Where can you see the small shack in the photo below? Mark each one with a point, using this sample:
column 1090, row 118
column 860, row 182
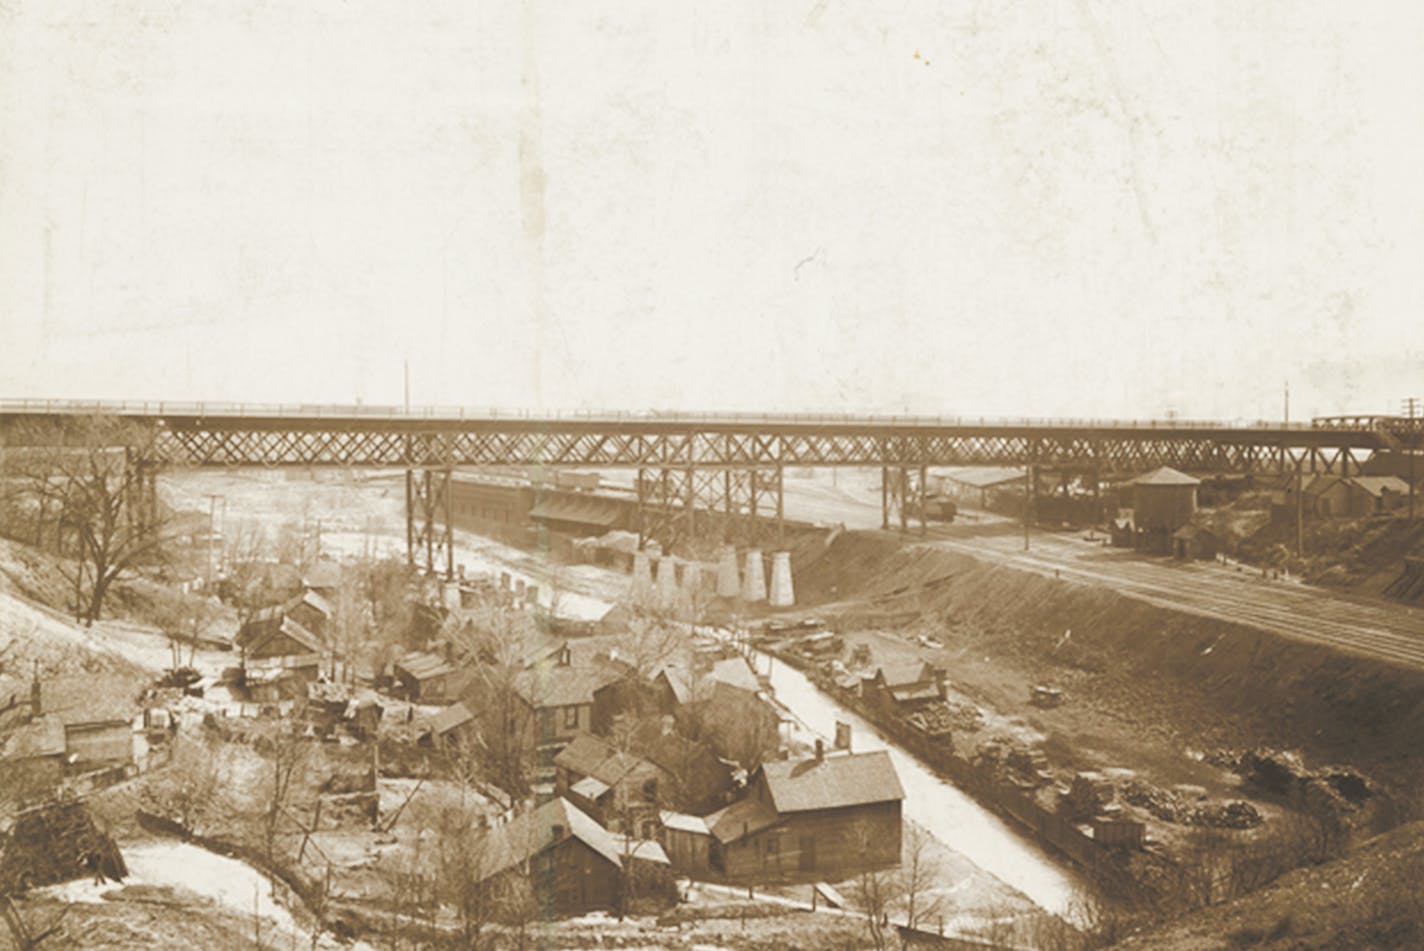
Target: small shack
column 1195, row 543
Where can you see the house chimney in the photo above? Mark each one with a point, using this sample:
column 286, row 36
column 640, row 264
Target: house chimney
column 820, row 750
column 843, row 736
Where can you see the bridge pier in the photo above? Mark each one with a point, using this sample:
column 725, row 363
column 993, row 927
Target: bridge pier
column 903, row 490
column 429, row 547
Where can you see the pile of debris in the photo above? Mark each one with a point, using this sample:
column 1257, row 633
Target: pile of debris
column 1023, row 766
column 1335, row 790
column 55, row 843
column 945, row 717
column 1172, row 806
column 1231, row 815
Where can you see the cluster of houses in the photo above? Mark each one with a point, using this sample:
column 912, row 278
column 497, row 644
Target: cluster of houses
column 678, row 768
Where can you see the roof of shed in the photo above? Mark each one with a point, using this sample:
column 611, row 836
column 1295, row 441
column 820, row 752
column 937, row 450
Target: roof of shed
column 455, row 715
column 746, row 816
column 1165, row 475
column 833, row 782
column 584, row 510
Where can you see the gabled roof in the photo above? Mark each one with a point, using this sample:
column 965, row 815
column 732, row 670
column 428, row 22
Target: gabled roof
column 590, row 788
column 43, row 736
column 88, row 698
column 734, row 672
column 912, row 693
column 1188, row 532
column 906, row 672
column 1165, row 476
column 288, row 627
column 1378, row 485
column 560, row 686
column 423, row 666
column 530, row 833
column 983, row 478
column 591, row 756
column 677, row 683
column 312, row 599
column 682, row 822
column 834, row 782
column 747, row 816
column 583, row 510
column 455, row 715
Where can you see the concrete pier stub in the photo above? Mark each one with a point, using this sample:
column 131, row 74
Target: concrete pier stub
column 667, row 583
column 729, row 581
column 783, row 595
column 754, row 578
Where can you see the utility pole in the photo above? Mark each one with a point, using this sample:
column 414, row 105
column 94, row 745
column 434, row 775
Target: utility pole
column 1027, row 500
column 1287, row 412
column 212, row 518
column 1411, row 410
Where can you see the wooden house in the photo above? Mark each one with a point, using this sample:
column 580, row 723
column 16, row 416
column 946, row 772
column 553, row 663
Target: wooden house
column 902, row 687
column 279, row 655
column 570, row 863
column 555, row 704
column 826, row 818
column 619, row 789
column 429, row 678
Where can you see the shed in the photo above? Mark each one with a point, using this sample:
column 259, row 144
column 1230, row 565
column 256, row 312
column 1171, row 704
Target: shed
column 1195, row 543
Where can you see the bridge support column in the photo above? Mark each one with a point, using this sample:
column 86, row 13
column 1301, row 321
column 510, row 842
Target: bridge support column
column 723, row 505
column 430, row 547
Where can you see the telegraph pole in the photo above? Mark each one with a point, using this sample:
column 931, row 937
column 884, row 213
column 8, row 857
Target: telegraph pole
column 212, row 517
column 1411, row 409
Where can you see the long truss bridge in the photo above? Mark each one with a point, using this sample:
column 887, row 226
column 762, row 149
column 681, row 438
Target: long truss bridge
column 699, row 462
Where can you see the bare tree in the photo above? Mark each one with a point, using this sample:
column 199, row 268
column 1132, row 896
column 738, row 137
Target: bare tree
column 288, row 758
column 919, row 874
column 84, row 482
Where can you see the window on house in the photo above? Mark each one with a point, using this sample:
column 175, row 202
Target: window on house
column 570, row 717
column 650, row 790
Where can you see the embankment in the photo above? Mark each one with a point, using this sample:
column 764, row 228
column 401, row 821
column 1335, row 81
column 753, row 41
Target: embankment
column 1207, row 682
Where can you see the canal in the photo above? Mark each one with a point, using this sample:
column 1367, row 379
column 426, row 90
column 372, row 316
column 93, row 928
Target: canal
column 950, row 815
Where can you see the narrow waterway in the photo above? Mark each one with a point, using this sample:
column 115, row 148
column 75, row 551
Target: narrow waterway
column 950, row 815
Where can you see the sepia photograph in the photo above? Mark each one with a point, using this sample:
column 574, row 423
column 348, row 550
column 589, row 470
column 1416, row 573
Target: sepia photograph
column 900, row 475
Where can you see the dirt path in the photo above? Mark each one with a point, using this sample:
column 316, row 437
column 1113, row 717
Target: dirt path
column 1381, row 630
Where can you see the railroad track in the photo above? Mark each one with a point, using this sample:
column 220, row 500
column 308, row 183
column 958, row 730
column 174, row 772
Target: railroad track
column 1393, row 635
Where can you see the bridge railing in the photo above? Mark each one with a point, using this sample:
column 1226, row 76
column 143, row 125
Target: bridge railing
column 455, row 413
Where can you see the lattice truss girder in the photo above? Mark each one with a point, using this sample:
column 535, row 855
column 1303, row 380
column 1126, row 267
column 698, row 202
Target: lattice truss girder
column 678, row 504
column 196, row 445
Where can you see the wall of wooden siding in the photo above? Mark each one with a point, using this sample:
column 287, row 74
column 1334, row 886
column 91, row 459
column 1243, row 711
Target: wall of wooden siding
column 100, row 743
column 847, row 841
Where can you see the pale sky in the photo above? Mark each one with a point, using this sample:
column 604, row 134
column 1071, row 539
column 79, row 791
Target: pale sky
column 981, row 207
